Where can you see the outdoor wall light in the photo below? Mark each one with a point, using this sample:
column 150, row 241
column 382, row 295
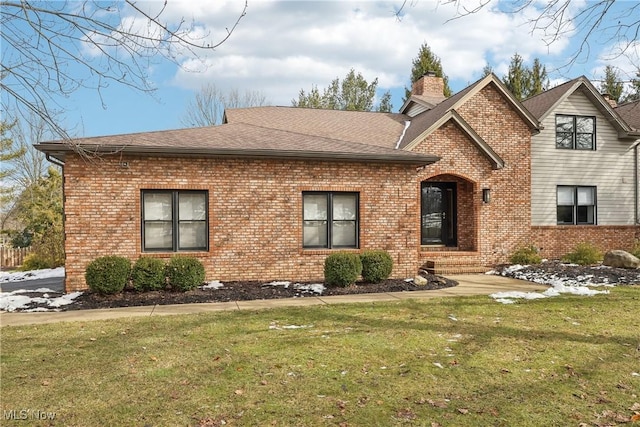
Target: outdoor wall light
column 486, row 195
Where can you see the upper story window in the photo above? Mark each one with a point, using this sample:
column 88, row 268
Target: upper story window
column 576, row 205
column 174, row 221
column 330, row 220
column 575, row 132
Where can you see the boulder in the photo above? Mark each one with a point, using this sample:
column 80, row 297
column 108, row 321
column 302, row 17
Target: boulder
column 420, row 281
column 621, row 259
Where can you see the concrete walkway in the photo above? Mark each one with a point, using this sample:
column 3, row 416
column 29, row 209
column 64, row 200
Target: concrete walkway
column 469, row 284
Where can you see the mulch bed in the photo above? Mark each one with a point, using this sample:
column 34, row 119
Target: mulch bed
column 244, row 291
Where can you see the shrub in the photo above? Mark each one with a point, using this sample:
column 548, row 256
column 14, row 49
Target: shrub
column 342, row 268
column 185, row 273
column 584, row 254
column 108, row 274
column 635, row 250
column 526, row 255
column 34, row 261
column 376, row 266
column 148, row 274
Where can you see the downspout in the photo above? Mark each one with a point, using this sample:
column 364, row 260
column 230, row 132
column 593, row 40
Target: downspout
column 635, row 179
column 54, row 161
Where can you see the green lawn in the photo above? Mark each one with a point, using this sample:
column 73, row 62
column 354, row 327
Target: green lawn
column 446, row 362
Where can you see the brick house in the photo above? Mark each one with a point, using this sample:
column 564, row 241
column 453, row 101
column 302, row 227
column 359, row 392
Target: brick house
column 445, row 183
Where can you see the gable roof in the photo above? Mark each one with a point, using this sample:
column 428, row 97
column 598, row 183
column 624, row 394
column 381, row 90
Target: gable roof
column 425, row 121
column 238, row 140
column 545, row 103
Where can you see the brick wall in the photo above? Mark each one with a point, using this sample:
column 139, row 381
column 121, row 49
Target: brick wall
column 255, row 212
column 556, row 241
column 493, row 230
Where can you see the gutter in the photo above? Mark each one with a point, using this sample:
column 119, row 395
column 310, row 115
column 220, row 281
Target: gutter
column 398, row 158
column 54, row 161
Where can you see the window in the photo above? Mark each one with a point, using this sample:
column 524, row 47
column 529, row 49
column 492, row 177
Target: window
column 174, row 221
column 575, row 132
column 576, row 205
column 330, row 220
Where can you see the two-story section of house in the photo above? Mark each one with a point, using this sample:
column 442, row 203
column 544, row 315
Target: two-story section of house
column 584, row 170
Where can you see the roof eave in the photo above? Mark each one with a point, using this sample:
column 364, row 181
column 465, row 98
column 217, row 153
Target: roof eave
column 59, row 152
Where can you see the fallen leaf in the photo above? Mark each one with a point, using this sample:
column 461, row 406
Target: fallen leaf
column 463, row 411
column 505, row 371
column 45, row 383
column 635, row 407
column 635, row 418
column 239, row 392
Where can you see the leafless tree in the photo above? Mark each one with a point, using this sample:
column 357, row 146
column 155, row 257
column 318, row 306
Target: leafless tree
column 208, row 105
column 556, row 19
column 51, row 49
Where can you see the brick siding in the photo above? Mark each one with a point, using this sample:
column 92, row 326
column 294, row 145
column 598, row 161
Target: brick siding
column 255, row 212
column 556, row 241
column 492, row 230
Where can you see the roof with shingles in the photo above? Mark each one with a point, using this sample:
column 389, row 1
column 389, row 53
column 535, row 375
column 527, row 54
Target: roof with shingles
column 239, row 140
column 630, row 112
column 381, row 129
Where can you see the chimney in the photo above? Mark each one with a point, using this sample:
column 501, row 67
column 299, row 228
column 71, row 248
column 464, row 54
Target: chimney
column 429, row 85
column 607, row 97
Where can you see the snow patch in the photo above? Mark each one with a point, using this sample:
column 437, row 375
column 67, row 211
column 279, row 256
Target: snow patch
column 31, row 275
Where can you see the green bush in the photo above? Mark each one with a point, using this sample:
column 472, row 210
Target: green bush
column 108, row 274
column 635, row 250
column 185, row 273
column 376, row 265
column 584, row 254
column 526, row 255
column 33, row 261
column 342, row 268
column 148, row 274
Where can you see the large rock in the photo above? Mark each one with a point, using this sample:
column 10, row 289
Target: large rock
column 621, row 259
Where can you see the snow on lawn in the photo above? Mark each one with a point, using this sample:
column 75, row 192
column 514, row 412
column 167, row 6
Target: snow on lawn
column 19, row 276
column 579, row 285
column 46, row 298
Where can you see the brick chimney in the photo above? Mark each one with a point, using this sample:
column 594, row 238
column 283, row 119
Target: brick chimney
column 429, row 85
column 607, row 97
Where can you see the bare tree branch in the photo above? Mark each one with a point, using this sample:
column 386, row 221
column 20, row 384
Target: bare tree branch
column 52, row 49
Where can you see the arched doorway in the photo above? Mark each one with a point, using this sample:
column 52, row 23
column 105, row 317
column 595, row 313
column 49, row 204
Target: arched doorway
column 438, row 212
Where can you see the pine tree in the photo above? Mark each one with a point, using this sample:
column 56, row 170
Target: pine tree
column 427, row 61
column 612, row 84
column 538, row 79
column 517, row 78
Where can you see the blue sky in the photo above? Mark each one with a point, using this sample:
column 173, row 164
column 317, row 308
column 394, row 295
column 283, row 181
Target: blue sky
column 281, row 47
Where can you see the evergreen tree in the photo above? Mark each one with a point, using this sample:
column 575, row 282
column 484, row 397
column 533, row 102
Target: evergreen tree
column 517, row 79
column 427, row 61
column 539, row 80
column 634, row 93
column 353, row 93
column 612, row 84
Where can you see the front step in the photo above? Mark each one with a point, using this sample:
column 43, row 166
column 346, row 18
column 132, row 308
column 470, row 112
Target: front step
column 453, row 264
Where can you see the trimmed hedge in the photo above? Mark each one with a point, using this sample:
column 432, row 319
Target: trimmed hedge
column 342, row 268
column 376, row 265
column 185, row 273
column 148, row 274
column 526, row 255
column 108, row 274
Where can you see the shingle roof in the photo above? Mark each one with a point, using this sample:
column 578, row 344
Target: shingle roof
column 539, row 104
column 237, row 140
column 381, row 129
column 630, row 113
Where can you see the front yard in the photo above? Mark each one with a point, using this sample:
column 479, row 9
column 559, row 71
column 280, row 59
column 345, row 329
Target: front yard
column 570, row 360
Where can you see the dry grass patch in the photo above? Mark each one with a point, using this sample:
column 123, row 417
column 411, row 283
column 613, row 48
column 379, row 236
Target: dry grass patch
column 454, row 361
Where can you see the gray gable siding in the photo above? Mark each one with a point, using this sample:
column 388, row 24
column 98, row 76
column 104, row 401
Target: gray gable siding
column 610, row 168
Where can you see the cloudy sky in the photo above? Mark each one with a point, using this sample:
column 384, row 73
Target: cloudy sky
column 280, row 47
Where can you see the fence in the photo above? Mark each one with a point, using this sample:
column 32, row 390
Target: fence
column 12, row 257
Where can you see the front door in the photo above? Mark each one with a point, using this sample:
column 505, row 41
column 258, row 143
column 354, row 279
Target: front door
column 438, row 219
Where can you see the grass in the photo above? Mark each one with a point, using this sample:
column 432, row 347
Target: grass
column 449, row 362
